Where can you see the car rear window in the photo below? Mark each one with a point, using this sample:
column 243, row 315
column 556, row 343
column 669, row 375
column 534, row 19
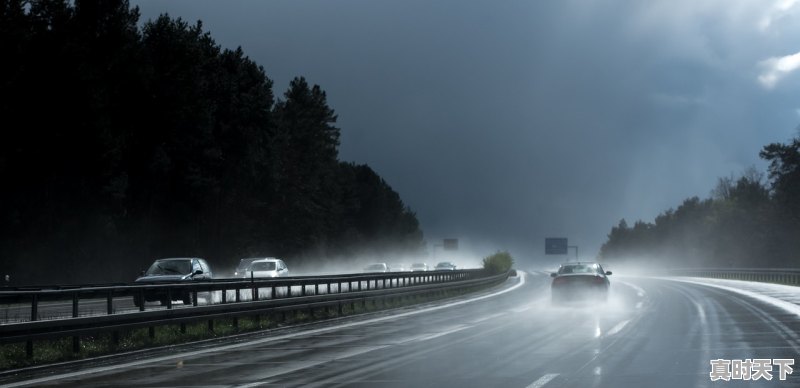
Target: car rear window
column 170, row 267
column 263, row 266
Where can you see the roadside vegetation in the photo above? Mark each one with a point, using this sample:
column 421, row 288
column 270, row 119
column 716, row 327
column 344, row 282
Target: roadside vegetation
column 748, row 221
column 498, row 262
column 124, row 142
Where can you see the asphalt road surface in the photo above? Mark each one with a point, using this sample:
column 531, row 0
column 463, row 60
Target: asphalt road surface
column 652, row 333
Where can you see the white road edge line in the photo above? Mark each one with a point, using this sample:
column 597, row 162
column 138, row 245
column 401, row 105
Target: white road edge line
column 542, row 380
column 782, row 304
column 261, row 341
column 616, row 329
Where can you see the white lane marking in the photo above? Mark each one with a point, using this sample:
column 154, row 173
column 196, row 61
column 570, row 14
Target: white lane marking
column 309, row 364
column 251, row 385
column 522, row 309
column 639, row 291
column 787, row 306
column 616, row 329
column 542, row 380
column 488, row 317
column 701, row 312
column 437, row 335
column 261, row 341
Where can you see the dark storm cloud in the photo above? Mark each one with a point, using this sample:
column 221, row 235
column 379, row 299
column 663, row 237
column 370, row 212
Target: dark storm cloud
column 506, row 123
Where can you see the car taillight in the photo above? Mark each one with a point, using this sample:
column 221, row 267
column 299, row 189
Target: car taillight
column 599, row 279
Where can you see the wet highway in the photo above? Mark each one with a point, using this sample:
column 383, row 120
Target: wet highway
column 652, row 333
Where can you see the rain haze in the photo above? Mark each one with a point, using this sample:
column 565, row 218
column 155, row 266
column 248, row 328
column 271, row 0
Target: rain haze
column 505, row 123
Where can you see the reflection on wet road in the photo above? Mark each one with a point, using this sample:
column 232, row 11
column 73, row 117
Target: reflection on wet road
column 652, row 332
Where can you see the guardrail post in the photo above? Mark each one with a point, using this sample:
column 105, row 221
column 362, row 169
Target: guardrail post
column 238, row 297
column 272, row 292
column 141, row 299
column 74, row 304
column 110, row 303
column 316, row 289
column 224, row 295
column 169, row 298
column 76, row 340
column 35, row 307
column 34, row 317
column 194, row 298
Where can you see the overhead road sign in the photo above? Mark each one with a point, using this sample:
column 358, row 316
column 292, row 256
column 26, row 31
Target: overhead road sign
column 555, row 246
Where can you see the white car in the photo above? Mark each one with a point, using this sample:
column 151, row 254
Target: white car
column 419, row 267
column 377, row 267
column 397, row 268
column 266, row 268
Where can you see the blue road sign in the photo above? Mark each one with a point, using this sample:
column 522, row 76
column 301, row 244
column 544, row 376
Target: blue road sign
column 555, row 246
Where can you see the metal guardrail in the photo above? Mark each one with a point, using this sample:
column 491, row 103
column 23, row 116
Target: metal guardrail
column 314, row 292
column 789, row 276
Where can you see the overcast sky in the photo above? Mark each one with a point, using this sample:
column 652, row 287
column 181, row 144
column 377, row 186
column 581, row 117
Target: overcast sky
column 505, row 122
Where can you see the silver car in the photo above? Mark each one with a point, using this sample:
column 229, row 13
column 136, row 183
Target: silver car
column 445, row 266
column 419, row 267
column 269, row 267
column 377, row 267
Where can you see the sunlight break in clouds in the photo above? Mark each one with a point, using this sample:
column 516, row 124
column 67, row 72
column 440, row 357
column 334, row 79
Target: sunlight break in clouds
column 777, row 68
column 778, row 10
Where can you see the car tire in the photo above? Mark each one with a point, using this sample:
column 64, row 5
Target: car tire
column 137, row 301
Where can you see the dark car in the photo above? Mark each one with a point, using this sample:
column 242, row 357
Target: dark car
column 175, row 270
column 579, row 282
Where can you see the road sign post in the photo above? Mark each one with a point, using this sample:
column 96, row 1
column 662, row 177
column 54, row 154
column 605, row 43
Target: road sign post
column 576, row 251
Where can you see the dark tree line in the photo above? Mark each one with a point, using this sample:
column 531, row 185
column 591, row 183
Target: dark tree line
column 747, row 222
column 122, row 144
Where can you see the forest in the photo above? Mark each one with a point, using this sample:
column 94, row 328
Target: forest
column 749, row 221
column 125, row 141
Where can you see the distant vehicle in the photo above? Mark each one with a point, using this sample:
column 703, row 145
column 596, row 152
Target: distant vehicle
column 242, row 267
column 419, row 267
column 377, row 267
column 578, row 282
column 445, row 266
column 267, row 268
column 397, row 268
column 173, row 270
